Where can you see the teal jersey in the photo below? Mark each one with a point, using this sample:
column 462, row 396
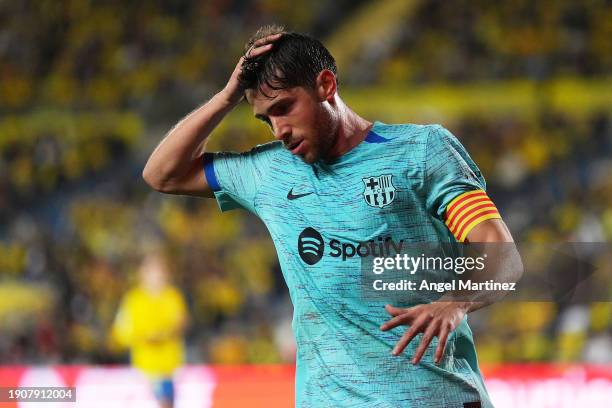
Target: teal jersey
column 396, row 183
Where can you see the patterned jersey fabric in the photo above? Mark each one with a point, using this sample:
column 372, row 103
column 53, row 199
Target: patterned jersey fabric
column 394, row 186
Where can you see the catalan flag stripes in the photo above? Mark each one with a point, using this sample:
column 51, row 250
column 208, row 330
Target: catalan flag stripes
column 468, row 210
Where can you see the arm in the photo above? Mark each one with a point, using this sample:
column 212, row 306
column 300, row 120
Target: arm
column 440, row 318
column 491, row 231
column 494, row 230
column 454, row 192
column 175, row 166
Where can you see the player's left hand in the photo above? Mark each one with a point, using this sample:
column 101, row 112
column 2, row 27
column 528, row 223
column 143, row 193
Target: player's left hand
column 432, row 319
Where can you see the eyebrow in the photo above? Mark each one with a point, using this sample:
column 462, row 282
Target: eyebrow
column 263, row 116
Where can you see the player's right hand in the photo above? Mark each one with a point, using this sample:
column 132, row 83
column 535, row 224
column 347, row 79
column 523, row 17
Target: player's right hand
column 233, row 92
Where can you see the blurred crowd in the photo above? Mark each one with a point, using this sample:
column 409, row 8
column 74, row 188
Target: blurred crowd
column 87, row 89
column 479, row 40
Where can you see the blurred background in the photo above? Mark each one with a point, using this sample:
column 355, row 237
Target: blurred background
column 88, row 88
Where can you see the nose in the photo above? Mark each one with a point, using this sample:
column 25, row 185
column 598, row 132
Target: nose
column 282, row 131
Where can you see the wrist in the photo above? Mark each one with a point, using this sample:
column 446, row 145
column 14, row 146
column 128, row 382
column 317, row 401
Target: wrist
column 465, row 307
column 227, row 99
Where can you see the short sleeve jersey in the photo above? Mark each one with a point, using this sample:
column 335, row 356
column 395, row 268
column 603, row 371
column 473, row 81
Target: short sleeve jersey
column 398, row 183
column 143, row 315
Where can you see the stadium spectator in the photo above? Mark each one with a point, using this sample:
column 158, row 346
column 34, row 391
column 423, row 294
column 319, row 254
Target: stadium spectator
column 151, row 321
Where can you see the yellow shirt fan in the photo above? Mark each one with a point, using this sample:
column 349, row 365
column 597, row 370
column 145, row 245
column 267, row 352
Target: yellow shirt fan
column 151, row 325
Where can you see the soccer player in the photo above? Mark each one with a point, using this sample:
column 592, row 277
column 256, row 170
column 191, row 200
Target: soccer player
column 151, row 321
column 331, row 181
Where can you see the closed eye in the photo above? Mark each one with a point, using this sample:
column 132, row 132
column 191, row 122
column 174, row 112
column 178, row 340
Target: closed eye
column 280, row 108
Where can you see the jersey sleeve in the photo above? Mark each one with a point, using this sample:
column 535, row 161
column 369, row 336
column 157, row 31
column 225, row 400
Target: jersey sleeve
column 455, row 187
column 235, row 178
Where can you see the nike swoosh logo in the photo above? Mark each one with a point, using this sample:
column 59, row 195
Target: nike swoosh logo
column 292, row 196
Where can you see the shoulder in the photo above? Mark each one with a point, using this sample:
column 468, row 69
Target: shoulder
column 259, row 151
column 412, row 139
column 269, row 153
column 173, row 293
column 407, row 132
column 430, row 137
column 443, row 141
column 132, row 297
column 259, row 157
column 273, row 147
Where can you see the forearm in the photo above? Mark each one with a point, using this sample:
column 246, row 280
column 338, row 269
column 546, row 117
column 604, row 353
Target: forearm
column 175, row 166
column 174, row 156
column 505, row 267
column 493, row 240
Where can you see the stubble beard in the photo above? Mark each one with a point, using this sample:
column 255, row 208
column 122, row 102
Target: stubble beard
column 326, row 136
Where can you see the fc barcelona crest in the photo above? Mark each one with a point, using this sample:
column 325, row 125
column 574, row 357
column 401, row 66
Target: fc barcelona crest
column 379, row 191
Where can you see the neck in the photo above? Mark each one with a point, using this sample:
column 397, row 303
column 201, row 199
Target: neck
column 352, row 130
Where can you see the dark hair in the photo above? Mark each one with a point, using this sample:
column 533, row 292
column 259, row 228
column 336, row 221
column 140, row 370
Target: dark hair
column 295, row 60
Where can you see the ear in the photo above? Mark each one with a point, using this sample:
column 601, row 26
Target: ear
column 326, row 86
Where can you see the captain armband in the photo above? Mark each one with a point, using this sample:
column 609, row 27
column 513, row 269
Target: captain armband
column 467, row 210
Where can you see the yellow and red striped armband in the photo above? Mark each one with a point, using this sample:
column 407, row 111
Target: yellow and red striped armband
column 467, row 210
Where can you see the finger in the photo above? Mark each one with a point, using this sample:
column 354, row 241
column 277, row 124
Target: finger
column 257, row 51
column 397, row 321
column 405, row 340
column 394, row 311
column 441, row 344
column 415, row 329
column 267, row 39
column 402, row 319
column 402, row 316
column 427, row 337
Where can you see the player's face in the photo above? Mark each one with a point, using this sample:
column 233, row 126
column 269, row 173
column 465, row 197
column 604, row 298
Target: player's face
column 153, row 273
column 298, row 118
